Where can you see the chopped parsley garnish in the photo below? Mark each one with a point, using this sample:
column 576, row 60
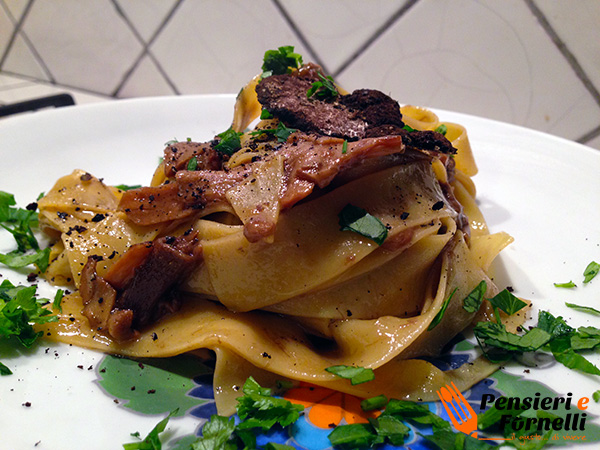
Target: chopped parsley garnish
column 128, row 187
column 324, row 89
column 278, row 62
column 356, row 375
column 507, row 302
column 596, row 396
column 20, row 309
column 356, row 435
column 57, row 302
column 370, row 404
column 345, row 147
column 408, row 128
column 229, row 142
column 389, row 427
column 587, row 309
column 442, row 129
column 192, row 163
column 4, row 370
column 264, row 114
column 217, row 433
column 282, row 132
column 20, row 223
column 276, row 446
column 353, row 218
column 566, row 285
column 171, row 142
column 438, row 317
column 473, row 301
column 152, row 441
column 591, row 271
column 259, row 409
column 551, row 334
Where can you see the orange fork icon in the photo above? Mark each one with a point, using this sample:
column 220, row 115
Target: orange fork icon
column 460, row 411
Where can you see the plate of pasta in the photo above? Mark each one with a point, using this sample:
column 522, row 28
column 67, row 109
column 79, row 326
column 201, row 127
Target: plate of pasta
column 297, row 242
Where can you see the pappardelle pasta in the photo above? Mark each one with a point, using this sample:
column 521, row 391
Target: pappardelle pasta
column 323, row 229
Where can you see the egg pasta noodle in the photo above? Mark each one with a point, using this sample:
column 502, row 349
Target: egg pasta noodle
column 280, row 292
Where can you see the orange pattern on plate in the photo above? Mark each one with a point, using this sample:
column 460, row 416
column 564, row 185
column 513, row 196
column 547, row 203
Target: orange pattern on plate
column 327, row 408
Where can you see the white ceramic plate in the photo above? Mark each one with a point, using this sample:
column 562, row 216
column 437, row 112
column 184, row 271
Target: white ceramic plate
column 541, row 189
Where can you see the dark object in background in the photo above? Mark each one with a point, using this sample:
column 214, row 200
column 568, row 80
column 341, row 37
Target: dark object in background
column 37, row 103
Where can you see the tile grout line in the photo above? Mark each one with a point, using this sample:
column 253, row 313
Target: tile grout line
column 382, row 29
column 571, row 60
column 146, row 48
column 32, row 49
column 589, row 135
column 37, row 82
column 18, row 24
column 299, row 34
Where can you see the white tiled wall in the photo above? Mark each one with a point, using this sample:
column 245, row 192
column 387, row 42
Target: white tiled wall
column 535, row 63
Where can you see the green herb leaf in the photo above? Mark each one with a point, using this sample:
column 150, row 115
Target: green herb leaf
column 353, row 218
column 564, row 354
column 356, row 375
column 596, row 396
column 171, row 142
column 415, row 412
column 579, row 342
column 589, row 331
column 473, row 301
column 345, row 147
column 127, row 187
column 438, row 317
column 217, row 434
column 264, row 114
column 591, row 271
column 19, row 311
column 229, row 142
column 587, row 309
column 566, row 285
column 408, row 128
column 370, row 404
column 152, row 441
column 323, row 90
column 258, row 409
column 20, row 223
column 192, row 164
column 556, row 326
column 17, row 260
column 507, row 302
column 4, row 370
column 448, row 440
column 495, row 335
column 356, row 435
column 277, row 62
column 391, row 428
column 442, row 129
column 282, row 132
column 276, row 446
column 56, row 303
